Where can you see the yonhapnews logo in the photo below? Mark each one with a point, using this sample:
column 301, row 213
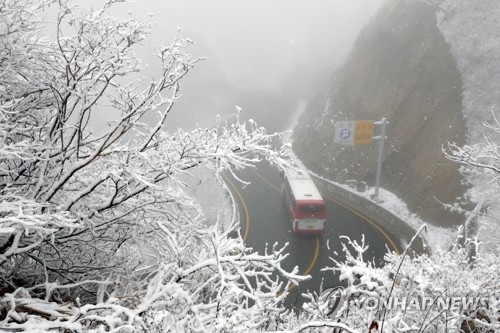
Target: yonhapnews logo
column 333, row 299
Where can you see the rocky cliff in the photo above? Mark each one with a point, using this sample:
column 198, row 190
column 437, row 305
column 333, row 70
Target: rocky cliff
column 402, row 69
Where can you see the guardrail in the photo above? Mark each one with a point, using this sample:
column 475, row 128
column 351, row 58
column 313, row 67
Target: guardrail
column 384, row 218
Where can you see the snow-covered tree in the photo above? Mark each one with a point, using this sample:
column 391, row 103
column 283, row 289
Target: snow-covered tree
column 97, row 231
column 481, row 165
column 484, row 157
column 444, row 291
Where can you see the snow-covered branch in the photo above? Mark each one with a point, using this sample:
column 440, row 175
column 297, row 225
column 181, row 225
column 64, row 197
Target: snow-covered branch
column 482, row 156
column 440, row 292
column 97, row 229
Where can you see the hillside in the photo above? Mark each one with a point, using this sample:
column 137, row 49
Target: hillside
column 401, row 68
column 472, row 29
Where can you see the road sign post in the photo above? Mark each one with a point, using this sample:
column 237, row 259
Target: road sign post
column 380, row 139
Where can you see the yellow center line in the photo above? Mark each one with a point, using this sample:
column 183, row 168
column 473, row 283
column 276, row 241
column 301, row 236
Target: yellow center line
column 245, row 208
column 367, row 220
column 316, row 251
column 308, row 270
column 268, row 182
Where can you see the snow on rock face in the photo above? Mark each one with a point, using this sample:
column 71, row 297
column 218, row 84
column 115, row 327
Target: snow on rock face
column 472, row 30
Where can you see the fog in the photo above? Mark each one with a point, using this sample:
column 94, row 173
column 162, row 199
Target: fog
column 284, row 47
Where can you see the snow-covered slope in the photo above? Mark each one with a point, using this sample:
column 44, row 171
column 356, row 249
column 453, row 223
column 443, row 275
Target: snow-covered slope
column 472, row 28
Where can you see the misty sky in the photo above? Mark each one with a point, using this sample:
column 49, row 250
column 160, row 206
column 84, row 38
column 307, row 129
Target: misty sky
column 281, row 47
column 260, row 44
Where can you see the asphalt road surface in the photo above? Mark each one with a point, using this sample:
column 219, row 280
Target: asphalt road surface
column 264, row 221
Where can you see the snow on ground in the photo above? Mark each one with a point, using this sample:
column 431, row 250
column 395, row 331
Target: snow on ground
column 436, row 237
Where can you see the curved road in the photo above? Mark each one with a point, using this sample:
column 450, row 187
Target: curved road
column 264, row 220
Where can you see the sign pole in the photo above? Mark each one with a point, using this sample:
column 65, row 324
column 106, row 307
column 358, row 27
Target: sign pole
column 381, row 139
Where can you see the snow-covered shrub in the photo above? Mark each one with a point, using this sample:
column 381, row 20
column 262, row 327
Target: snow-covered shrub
column 446, row 291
